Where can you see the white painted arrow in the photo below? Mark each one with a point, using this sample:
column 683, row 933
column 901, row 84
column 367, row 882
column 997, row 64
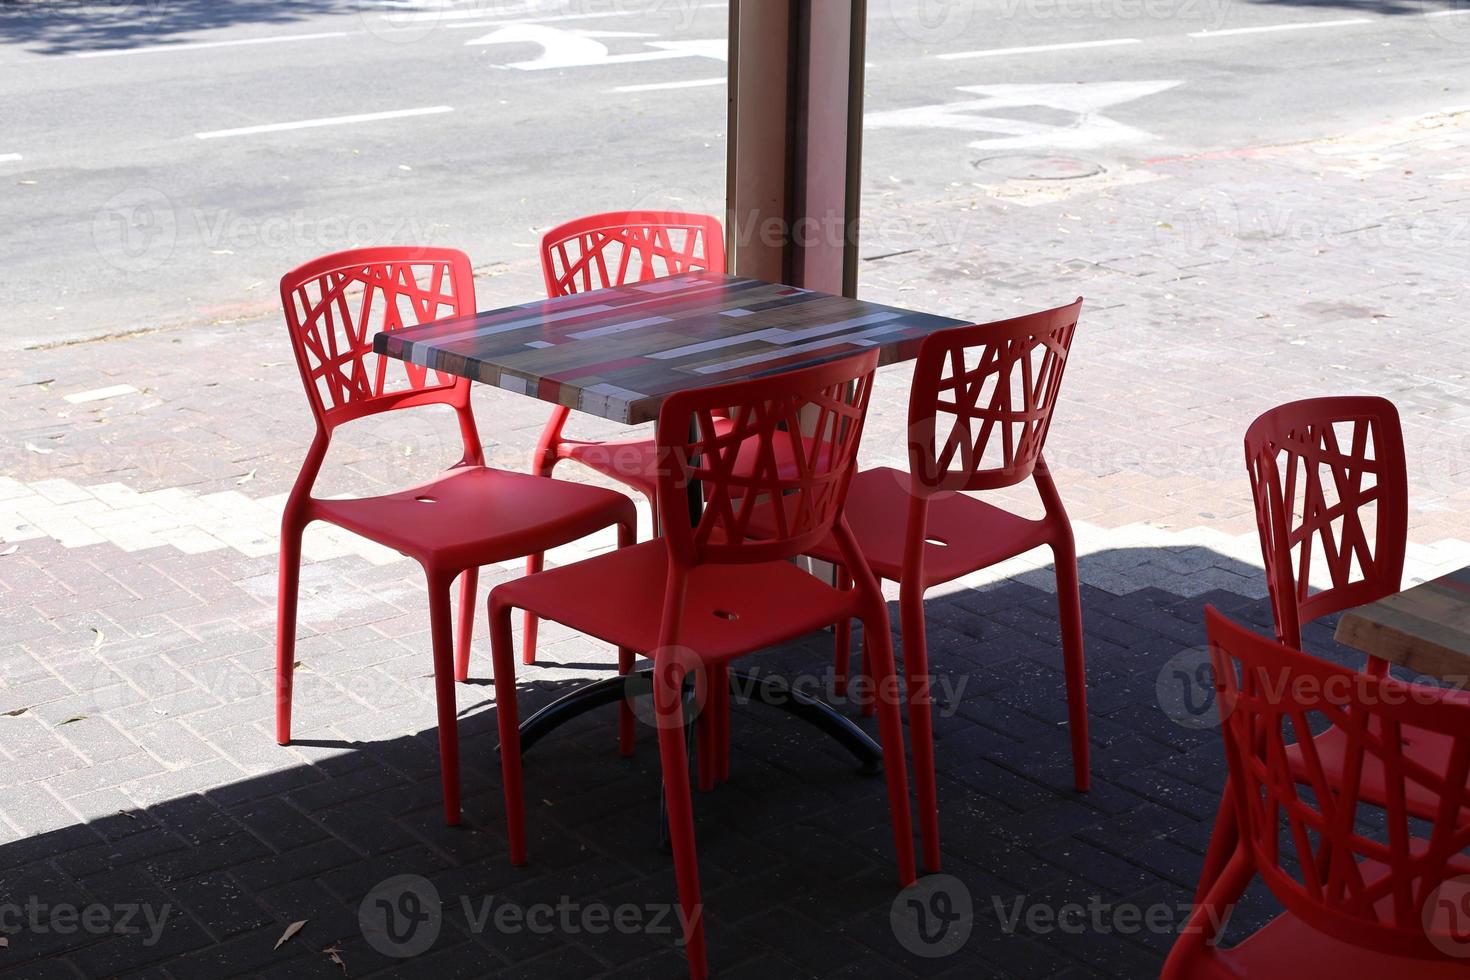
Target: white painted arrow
column 716, row 49
column 1084, row 99
column 580, row 49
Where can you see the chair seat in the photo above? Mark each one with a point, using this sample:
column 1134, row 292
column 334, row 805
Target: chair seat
column 1429, row 749
column 476, row 515
column 728, row 610
column 1289, row 947
column 631, row 462
column 964, row 534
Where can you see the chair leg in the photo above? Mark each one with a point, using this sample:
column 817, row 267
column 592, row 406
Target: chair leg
column 469, row 583
column 627, row 721
column 287, row 588
column 1195, row 952
column 921, row 718
column 542, row 465
column 441, row 629
column 627, row 535
column 890, row 734
column 865, row 677
column 656, row 527
column 720, row 689
column 1224, row 840
column 1069, row 604
column 668, row 706
column 506, row 715
column 706, row 724
column 534, row 564
column 842, row 637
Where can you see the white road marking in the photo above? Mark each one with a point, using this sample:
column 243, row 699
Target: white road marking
column 663, row 86
column 1447, row 13
column 9, row 157
column 482, row 24
column 717, row 49
column 484, row 18
column 1069, row 46
column 562, row 48
column 199, row 45
column 331, row 121
column 1297, row 26
column 1089, row 129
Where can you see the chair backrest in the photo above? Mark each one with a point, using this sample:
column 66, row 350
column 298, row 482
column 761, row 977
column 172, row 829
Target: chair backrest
column 781, row 465
column 982, row 400
column 629, row 246
column 335, row 305
column 1331, row 492
column 1366, row 874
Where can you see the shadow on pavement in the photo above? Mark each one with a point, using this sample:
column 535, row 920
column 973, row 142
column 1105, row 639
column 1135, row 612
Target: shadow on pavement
column 795, row 849
column 61, row 27
column 1391, row 8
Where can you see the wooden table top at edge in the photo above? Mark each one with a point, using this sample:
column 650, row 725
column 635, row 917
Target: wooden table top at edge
column 1425, row 628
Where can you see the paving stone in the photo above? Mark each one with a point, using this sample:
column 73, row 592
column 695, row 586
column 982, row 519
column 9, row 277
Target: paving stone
column 238, row 956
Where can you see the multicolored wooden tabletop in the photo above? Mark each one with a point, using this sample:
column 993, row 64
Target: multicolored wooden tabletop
column 1425, row 628
column 618, row 353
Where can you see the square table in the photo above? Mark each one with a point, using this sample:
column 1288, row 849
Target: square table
column 617, row 353
column 1425, row 628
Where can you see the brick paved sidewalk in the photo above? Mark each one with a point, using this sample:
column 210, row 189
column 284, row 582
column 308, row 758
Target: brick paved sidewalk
column 139, row 499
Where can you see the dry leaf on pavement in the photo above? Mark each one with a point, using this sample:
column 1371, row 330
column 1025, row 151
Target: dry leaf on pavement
column 291, row 930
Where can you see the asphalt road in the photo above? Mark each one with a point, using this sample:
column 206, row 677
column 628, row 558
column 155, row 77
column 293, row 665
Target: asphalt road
column 162, row 162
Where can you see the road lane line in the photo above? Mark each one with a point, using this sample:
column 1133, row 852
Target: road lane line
column 1068, row 46
column 662, row 86
column 9, row 157
column 488, row 18
column 1297, row 26
column 1447, row 13
column 200, row 45
column 329, row 121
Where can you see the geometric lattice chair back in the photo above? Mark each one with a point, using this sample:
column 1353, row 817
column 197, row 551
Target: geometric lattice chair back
column 1364, row 873
column 1331, row 495
column 336, row 304
column 982, row 399
column 603, row 250
column 781, row 464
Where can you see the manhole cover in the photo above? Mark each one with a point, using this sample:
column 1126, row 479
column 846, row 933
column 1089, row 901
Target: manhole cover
column 1027, row 167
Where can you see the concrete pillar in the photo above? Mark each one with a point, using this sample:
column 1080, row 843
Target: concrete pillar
column 795, row 140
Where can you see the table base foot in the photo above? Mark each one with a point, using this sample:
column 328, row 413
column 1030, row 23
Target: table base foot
column 769, row 690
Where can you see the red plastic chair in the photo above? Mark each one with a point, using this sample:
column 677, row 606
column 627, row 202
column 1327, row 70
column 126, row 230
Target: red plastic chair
column 595, row 252
column 701, row 596
column 471, row 516
column 1315, row 467
column 1358, row 902
column 1330, row 486
column 979, row 410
